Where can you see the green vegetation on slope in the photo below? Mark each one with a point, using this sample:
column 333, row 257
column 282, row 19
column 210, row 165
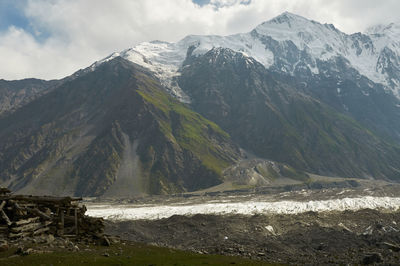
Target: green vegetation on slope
column 190, row 130
column 130, row 254
column 189, row 136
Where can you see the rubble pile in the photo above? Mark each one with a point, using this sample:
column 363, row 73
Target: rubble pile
column 312, row 238
column 29, row 216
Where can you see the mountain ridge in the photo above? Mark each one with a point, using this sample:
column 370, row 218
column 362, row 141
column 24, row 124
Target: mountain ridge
column 165, row 117
column 277, row 122
column 75, row 139
column 364, row 53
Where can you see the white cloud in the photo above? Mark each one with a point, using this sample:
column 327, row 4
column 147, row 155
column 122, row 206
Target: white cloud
column 23, row 56
column 82, row 31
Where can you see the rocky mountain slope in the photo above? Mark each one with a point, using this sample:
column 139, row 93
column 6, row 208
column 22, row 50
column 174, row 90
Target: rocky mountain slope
column 16, row 93
column 291, row 91
column 276, row 121
column 356, row 74
column 114, row 126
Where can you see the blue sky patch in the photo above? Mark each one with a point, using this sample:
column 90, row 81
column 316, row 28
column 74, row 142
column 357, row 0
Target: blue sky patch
column 201, row 2
column 12, row 14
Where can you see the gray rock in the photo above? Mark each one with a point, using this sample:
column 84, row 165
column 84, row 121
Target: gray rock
column 391, row 246
column 106, row 242
column 372, row 258
column 27, row 251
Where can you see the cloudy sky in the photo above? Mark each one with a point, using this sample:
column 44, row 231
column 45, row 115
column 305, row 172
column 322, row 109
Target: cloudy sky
column 54, row 38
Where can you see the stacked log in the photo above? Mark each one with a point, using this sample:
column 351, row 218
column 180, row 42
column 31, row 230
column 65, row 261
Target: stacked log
column 22, row 216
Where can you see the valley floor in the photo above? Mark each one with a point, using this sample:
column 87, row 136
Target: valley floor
column 364, row 236
column 356, row 224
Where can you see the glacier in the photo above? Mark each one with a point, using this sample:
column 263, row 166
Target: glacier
column 120, row 212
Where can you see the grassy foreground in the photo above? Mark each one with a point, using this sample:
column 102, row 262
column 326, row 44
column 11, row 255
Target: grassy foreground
column 129, row 254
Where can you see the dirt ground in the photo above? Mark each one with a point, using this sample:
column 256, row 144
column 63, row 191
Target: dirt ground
column 361, row 237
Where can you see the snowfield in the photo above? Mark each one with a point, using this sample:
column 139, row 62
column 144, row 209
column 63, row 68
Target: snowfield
column 364, row 52
column 154, row 212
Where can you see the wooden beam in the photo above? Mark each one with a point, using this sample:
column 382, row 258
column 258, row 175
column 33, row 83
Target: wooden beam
column 62, row 222
column 18, row 211
column 42, row 199
column 3, row 203
column 27, row 227
column 39, row 213
column 26, row 221
column 41, row 230
column 5, row 217
column 76, row 221
column 12, row 235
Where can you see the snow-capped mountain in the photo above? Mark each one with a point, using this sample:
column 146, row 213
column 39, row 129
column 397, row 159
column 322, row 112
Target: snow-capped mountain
column 288, row 43
column 291, row 91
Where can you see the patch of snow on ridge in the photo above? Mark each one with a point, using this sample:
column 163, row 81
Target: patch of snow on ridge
column 242, row 43
column 165, row 60
column 108, row 58
column 153, row 212
column 159, row 57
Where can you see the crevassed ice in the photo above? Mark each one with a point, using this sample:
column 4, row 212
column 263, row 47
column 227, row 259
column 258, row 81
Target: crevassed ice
column 151, row 212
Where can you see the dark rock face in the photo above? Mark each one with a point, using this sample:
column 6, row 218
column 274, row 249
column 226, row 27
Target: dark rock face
column 287, row 57
column 372, row 258
column 76, row 135
column 271, row 118
column 389, row 64
column 14, row 94
column 344, row 89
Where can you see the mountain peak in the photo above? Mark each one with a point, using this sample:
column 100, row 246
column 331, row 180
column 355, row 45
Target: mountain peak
column 304, row 33
column 389, row 29
column 220, row 56
column 288, row 23
column 286, row 19
column 295, row 23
